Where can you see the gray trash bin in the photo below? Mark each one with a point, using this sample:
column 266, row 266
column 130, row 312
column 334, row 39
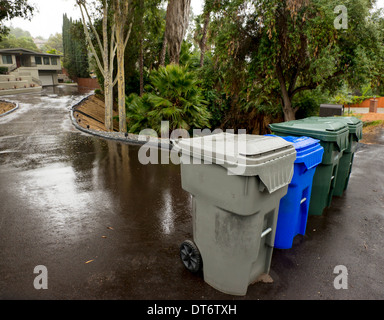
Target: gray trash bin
column 236, row 195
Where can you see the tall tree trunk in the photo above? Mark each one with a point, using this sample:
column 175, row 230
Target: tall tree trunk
column 204, row 38
column 176, row 25
column 141, row 48
column 108, row 102
column 289, row 113
column 108, row 66
column 105, row 64
column 121, row 81
column 141, row 65
column 163, row 52
column 121, row 11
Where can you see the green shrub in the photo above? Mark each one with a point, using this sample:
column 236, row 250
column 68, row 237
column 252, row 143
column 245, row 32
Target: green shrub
column 137, row 109
column 3, row 70
column 173, row 95
column 308, row 103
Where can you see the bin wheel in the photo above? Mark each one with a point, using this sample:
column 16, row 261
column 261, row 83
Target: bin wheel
column 190, row 256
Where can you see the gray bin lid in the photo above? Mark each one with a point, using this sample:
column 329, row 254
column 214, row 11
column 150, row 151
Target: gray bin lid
column 269, row 158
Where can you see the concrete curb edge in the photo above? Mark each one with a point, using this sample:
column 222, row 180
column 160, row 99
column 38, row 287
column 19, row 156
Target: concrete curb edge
column 10, row 111
column 119, row 136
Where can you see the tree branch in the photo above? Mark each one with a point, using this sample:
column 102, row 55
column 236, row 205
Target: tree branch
column 281, row 79
column 112, row 52
column 303, row 88
column 93, row 29
column 314, row 85
column 128, row 34
column 115, row 81
column 90, row 41
column 105, row 40
column 293, row 81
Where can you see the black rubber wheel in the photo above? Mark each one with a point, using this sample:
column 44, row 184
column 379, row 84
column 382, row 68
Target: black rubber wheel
column 190, row 256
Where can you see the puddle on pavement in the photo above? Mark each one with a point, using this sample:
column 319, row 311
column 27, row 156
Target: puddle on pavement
column 64, row 175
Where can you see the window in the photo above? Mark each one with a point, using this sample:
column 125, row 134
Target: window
column 54, row 61
column 46, row 60
column 7, row 59
column 38, row 60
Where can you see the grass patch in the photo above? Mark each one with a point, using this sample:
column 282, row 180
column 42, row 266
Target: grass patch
column 356, row 115
column 374, row 123
column 372, row 126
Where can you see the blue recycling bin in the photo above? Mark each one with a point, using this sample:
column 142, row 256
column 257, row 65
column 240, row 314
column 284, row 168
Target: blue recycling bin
column 293, row 209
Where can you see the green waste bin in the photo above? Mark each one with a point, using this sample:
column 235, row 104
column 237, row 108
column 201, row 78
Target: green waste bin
column 236, row 183
column 355, row 127
column 333, row 136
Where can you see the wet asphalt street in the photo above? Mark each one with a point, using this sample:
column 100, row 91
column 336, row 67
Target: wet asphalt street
column 107, row 227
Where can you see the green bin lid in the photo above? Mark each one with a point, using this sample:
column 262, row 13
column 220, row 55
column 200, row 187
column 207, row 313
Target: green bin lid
column 355, row 125
column 327, row 131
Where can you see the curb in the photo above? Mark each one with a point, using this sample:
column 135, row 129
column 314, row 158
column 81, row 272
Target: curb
column 120, row 136
column 9, row 111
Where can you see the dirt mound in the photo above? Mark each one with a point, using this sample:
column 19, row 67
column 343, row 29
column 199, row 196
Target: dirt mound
column 6, row 106
column 91, row 112
column 372, row 116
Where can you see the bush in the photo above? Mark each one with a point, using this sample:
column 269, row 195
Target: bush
column 218, row 103
column 137, row 109
column 309, row 102
column 3, row 70
column 173, row 95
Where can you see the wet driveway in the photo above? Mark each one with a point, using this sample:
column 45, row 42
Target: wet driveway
column 107, row 227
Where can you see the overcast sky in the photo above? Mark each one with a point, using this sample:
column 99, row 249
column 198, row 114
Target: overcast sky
column 48, row 18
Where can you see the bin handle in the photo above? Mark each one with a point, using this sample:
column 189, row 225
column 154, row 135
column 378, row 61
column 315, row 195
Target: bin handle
column 303, row 200
column 265, row 232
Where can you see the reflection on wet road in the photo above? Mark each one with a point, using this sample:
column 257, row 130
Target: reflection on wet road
column 66, row 194
column 107, row 227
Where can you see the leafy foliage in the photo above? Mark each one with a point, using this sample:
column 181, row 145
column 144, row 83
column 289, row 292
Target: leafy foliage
column 345, row 97
column 282, row 48
column 211, row 79
column 75, row 48
column 173, row 95
column 13, row 9
column 137, row 109
column 148, row 26
column 308, row 102
column 264, row 59
column 54, row 42
column 11, row 41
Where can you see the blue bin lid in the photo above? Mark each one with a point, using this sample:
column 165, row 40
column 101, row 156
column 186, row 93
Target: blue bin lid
column 301, row 143
column 308, row 150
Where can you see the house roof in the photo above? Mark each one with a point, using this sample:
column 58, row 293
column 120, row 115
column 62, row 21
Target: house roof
column 27, row 51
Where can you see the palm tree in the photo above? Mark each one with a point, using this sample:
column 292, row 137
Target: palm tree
column 137, row 109
column 176, row 97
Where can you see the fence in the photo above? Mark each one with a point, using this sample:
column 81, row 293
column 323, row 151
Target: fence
column 89, row 83
column 366, row 103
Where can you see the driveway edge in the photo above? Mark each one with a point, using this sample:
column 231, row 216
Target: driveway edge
column 120, row 136
column 9, row 111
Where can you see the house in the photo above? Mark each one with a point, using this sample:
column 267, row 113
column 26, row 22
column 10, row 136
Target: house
column 38, row 68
